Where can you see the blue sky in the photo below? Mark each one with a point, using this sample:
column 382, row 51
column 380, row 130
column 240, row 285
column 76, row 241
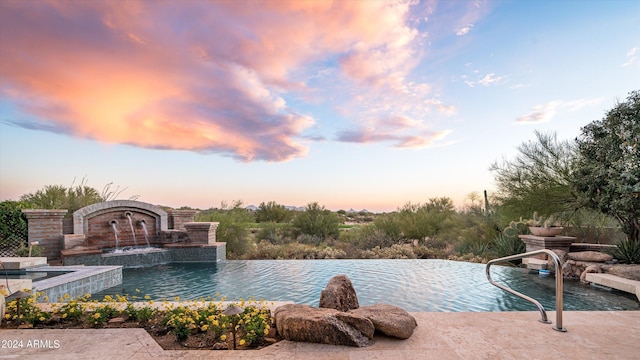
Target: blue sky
column 357, row 104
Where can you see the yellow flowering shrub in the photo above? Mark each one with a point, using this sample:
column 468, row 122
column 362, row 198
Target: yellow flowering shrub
column 201, row 317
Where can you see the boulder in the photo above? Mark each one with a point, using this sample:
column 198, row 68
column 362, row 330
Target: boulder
column 592, row 256
column 388, row 319
column 573, row 269
column 590, row 269
column 304, row 323
column 339, row 294
column 562, row 255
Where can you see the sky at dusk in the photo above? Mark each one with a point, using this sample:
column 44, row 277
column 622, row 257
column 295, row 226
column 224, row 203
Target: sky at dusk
column 351, row 104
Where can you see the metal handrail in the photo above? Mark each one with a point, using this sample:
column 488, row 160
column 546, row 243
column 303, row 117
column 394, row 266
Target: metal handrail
column 543, row 313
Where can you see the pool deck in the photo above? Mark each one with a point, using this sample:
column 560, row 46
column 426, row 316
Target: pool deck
column 456, row 335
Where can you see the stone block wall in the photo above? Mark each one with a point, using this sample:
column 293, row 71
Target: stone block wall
column 177, row 218
column 202, row 232
column 45, row 227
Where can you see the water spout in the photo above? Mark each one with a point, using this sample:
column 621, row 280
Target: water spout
column 114, row 226
column 128, row 216
column 146, row 232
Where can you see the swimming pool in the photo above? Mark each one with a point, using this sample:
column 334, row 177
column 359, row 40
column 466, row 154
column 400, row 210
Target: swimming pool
column 415, row 285
column 33, row 275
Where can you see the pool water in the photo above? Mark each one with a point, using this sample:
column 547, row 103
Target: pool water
column 34, row 275
column 415, row 285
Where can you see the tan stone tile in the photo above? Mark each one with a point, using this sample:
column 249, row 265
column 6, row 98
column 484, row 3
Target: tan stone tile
column 439, row 354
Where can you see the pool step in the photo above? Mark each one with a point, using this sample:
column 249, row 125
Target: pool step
column 535, row 264
column 615, row 282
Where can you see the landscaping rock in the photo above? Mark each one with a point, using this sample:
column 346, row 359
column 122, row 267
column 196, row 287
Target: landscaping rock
column 304, row 323
column 388, row 319
column 573, row 269
column 593, row 256
column 339, row 294
column 589, row 269
column 562, row 255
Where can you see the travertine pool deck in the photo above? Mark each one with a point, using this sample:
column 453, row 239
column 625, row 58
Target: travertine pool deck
column 489, row 335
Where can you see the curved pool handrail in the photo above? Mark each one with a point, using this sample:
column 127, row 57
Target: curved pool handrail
column 559, row 285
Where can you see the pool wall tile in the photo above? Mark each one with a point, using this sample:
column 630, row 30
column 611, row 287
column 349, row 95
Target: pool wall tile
column 157, row 256
column 82, row 280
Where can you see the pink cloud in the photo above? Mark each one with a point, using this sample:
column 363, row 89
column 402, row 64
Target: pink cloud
column 211, row 77
column 401, row 131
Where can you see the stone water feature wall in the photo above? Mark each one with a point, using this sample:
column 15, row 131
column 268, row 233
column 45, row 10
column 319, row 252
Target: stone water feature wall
column 174, row 234
column 100, row 223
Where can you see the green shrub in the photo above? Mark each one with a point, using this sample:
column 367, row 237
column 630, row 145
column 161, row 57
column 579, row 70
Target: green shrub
column 102, row 314
column 233, row 227
column 317, row 221
column 368, row 237
column 310, row 239
column 13, row 224
column 24, row 251
column 506, row 245
column 29, row 312
column 142, row 314
column 395, row 251
column 273, row 212
column 274, row 233
column 627, row 251
column 71, row 311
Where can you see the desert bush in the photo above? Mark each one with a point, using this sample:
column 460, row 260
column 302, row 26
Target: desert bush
column 627, row 251
column 273, row 212
column 309, row 239
column 295, row 250
column 425, row 252
column 233, row 228
column 275, row 233
column 317, row 221
column 367, row 237
column 506, row 245
column 468, row 257
column 395, row 251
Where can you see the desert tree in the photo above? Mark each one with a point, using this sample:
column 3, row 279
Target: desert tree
column 607, row 171
column 539, row 179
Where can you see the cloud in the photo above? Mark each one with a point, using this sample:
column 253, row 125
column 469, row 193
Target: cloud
column 487, row 80
column 464, row 30
column 401, row 131
column 490, row 79
column 631, row 57
column 213, row 77
column 546, row 112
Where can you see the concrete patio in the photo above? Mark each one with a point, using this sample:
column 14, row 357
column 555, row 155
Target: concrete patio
column 488, row 335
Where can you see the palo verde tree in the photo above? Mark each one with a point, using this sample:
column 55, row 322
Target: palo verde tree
column 538, row 179
column 607, row 172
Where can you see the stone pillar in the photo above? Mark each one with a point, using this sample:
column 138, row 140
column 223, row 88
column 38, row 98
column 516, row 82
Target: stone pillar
column 201, row 232
column 45, row 227
column 177, row 218
column 534, row 243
